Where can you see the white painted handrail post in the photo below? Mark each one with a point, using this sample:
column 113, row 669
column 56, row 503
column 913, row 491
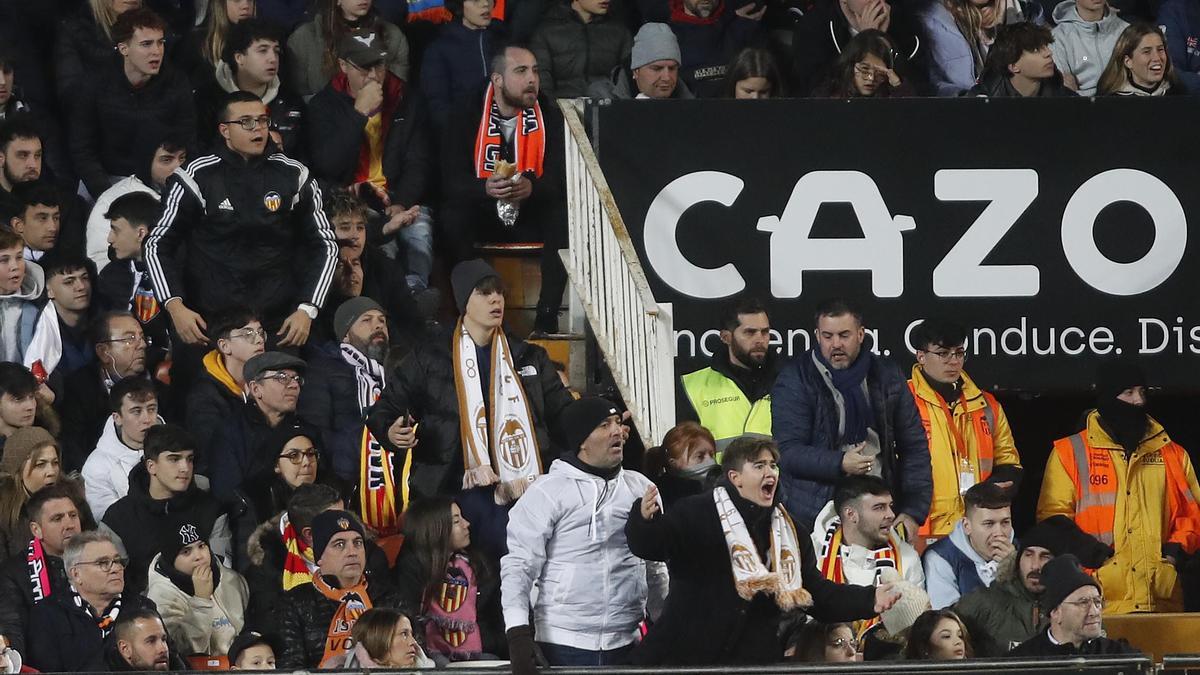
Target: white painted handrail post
column 634, row 333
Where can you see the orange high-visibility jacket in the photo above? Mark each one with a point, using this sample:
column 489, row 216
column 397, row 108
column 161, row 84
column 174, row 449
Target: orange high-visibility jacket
column 982, row 434
column 1134, row 505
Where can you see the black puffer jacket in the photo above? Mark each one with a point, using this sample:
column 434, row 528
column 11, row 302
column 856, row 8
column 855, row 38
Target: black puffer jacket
column 423, row 385
column 139, row 520
column 689, row 538
column 111, row 116
column 81, row 50
column 266, row 555
column 238, row 449
column 306, row 618
column 572, row 54
column 16, row 595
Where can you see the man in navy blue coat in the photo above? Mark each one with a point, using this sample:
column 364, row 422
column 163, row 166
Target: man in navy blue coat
column 839, row 410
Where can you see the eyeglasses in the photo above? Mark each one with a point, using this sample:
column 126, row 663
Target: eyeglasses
column 130, row 340
column 1086, row 603
column 106, row 564
column 298, row 457
column 251, row 334
column 959, row 354
column 841, row 643
column 251, row 123
column 284, row 379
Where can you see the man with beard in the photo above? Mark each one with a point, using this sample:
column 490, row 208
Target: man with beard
column 970, row 440
column 567, row 537
column 345, row 380
column 503, row 174
column 856, row 542
column 839, row 410
column 1075, row 602
column 733, row 396
column 1011, row 611
column 737, row 562
column 251, row 223
column 21, row 152
column 139, row 642
column 1127, row 485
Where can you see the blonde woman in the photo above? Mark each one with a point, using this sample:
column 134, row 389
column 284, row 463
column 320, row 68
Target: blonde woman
column 85, row 43
column 1139, row 65
column 199, row 53
column 960, row 33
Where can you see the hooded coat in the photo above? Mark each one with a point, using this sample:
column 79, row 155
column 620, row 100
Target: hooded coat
column 1083, row 48
column 19, row 314
column 285, row 108
column 106, row 471
column 1002, row 615
column 733, row 631
column 566, row 536
column 139, row 520
column 214, row 398
column 200, row 625
column 953, row 569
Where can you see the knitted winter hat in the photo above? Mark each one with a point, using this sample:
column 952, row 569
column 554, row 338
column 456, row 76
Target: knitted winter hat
column 580, row 419
column 913, row 602
column 1062, row 577
column 654, row 42
column 1042, row 536
column 349, row 311
column 465, row 277
column 329, row 523
column 21, row 445
column 179, row 534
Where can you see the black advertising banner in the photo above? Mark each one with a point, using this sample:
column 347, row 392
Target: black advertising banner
column 1055, row 230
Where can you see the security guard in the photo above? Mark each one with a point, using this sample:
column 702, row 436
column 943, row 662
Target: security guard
column 733, row 395
column 254, row 231
column 1123, row 481
column 969, row 438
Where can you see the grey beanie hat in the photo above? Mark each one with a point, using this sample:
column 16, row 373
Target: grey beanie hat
column 349, row 311
column 654, row 42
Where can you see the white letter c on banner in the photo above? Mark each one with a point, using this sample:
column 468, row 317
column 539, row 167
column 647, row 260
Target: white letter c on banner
column 662, row 247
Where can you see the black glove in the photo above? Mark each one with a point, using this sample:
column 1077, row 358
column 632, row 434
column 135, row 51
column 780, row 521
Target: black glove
column 1091, row 552
column 523, row 653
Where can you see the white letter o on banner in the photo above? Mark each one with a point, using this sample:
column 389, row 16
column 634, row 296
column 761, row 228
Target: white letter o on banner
column 1078, row 235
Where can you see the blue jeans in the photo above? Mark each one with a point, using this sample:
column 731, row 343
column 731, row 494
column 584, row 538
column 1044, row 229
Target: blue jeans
column 561, row 655
column 417, row 242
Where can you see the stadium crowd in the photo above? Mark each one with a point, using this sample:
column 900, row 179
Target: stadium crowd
column 246, row 422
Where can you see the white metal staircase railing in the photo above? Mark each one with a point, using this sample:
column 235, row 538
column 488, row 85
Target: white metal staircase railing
column 634, row 332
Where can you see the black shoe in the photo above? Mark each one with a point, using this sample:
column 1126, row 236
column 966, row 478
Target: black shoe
column 546, row 322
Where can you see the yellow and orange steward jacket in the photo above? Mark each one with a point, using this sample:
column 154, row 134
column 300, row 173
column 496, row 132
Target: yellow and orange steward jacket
column 977, row 429
column 1135, row 504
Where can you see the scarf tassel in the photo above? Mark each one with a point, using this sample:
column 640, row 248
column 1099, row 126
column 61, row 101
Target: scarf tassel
column 479, row 476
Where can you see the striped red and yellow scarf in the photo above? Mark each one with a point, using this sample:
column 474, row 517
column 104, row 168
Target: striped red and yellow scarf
column 833, row 570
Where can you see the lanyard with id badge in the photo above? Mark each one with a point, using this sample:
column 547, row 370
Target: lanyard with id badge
column 966, row 472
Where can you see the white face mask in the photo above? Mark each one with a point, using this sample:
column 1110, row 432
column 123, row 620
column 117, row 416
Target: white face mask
column 698, row 471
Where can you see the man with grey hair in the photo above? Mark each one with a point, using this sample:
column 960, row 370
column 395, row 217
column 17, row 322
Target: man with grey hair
column 95, row 563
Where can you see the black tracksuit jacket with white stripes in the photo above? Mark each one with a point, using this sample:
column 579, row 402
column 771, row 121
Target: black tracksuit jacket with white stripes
column 243, row 232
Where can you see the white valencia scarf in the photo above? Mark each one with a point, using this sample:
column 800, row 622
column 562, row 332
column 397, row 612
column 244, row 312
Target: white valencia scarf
column 498, row 441
column 750, row 576
column 377, row 488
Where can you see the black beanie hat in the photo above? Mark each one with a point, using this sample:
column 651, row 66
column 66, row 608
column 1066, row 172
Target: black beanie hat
column 329, row 523
column 580, row 419
column 465, row 277
column 1062, row 577
column 178, row 534
column 1042, row 536
column 1114, row 377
